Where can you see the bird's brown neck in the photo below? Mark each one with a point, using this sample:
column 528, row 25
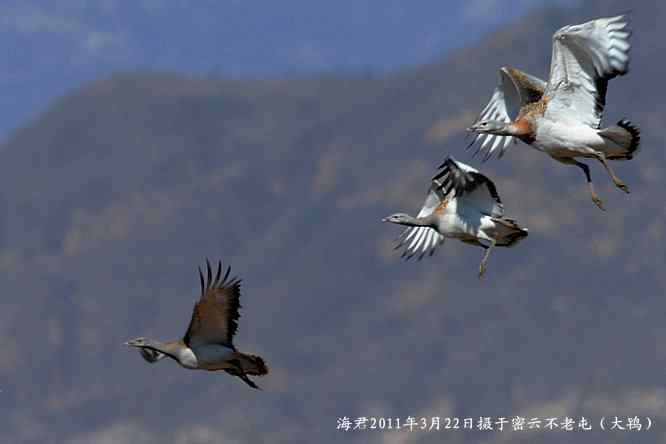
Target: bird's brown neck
column 524, row 129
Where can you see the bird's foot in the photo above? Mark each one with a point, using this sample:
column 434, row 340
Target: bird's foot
column 598, row 202
column 623, row 186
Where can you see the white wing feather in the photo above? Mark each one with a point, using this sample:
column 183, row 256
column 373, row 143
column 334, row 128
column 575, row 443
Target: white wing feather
column 496, row 109
column 470, row 187
column 584, row 58
column 505, row 103
column 422, row 240
column 458, row 181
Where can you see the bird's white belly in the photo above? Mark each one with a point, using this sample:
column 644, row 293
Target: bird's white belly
column 212, row 356
column 187, row 358
column 566, row 139
column 460, row 226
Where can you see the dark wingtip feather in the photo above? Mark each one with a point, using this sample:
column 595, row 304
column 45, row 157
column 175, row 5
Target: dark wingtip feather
column 217, row 274
column 226, row 275
column 488, row 155
column 446, row 161
column 209, row 274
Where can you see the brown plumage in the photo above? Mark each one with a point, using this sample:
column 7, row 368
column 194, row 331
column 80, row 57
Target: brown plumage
column 529, row 90
column 208, row 342
column 441, row 208
column 519, row 94
column 215, row 316
column 562, row 118
column 525, row 122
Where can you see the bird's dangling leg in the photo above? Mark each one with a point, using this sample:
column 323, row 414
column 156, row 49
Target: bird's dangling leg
column 484, row 261
column 237, row 370
column 616, row 180
column 595, row 197
column 248, row 381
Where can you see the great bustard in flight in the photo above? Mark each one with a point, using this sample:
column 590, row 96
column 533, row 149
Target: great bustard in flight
column 463, row 204
column 562, row 117
column 208, row 342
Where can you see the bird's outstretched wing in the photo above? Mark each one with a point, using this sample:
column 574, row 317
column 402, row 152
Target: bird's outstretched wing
column 466, row 184
column 422, row 240
column 215, row 316
column 514, row 90
column 585, row 57
column 151, row 355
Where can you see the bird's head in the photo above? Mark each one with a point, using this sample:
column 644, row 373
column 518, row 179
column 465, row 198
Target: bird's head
column 489, row 127
column 137, row 342
column 145, row 348
column 398, row 218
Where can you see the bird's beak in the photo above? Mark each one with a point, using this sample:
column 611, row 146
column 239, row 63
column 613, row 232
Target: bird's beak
column 471, row 129
column 385, row 219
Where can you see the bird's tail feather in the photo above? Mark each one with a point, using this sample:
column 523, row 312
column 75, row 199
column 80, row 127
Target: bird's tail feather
column 510, row 232
column 252, row 364
column 622, row 140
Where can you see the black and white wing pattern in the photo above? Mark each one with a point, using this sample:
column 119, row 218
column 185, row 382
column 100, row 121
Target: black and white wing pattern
column 585, row 57
column 422, row 240
column 514, row 90
column 469, row 187
column 150, row 354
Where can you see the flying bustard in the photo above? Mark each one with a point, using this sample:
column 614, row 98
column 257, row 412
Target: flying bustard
column 207, row 344
column 562, row 117
column 463, row 204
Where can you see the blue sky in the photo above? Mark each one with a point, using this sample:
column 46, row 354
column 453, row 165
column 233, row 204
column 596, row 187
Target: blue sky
column 52, row 47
